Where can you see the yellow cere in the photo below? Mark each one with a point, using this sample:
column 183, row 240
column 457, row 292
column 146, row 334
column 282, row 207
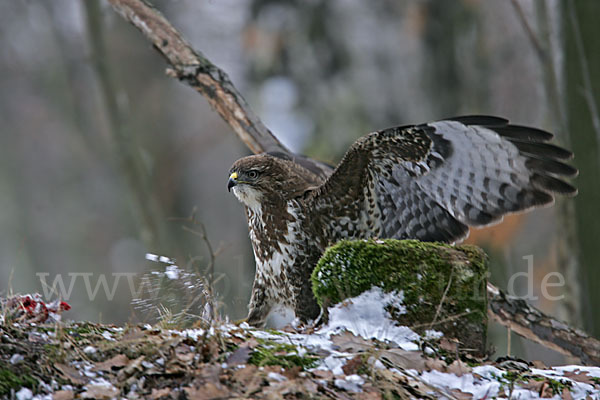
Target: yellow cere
column 234, row 175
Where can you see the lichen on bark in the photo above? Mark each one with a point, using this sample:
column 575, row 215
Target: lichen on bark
column 443, row 286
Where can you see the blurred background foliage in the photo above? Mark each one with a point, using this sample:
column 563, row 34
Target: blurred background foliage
column 104, row 158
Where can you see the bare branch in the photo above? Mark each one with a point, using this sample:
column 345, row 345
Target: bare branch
column 538, row 327
column 190, row 66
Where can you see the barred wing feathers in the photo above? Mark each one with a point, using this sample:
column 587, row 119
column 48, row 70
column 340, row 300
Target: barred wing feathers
column 433, row 181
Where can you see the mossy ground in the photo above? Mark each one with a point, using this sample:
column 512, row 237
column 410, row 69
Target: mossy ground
column 285, row 355
column 10, row 380
column 428, row 274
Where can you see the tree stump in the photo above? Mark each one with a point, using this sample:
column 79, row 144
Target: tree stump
column 443, row 286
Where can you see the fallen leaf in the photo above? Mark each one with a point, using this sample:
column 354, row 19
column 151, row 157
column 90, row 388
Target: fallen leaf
column 566, row 394
column 350, row 343
column 158, row 393
column 368, row 396
column 134, row 333
column 174, row 367
column 134, row 365
column 323, row 374
column 458, row 368
column 243, row 375
column 208, row 391
column 352, row 365
column 185, row 357
column 292, row 373
column 579, row 376
column 435, row 364
column 118, row 361
column 278, row 390
column 100, row 392
column 184, row 353
column 310, row 386
column 543, row 388
column 240, row 356
column 450, row 346
column 459, row 394
column 405, row 359
column 63, row 395
column 71, row 374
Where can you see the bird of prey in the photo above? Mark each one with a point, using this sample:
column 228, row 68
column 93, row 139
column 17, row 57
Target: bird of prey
column 428, row 182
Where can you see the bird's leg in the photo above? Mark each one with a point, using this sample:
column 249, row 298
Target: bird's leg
column 259, row 307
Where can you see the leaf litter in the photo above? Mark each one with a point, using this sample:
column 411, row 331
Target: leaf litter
column 360, row 353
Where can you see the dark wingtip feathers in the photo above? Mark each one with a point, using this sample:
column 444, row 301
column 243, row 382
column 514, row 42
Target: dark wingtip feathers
column 552, row 185
column 545, row 150
column 484, row 120
column 545, row 165
column 522, row 133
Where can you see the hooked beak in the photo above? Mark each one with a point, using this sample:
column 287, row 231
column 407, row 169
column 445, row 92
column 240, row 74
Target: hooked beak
column 232, row 181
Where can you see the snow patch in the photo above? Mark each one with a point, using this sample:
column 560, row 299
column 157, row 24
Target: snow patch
column 276, row 377
column 351, row 383
column 365, row 316
column 172, row 272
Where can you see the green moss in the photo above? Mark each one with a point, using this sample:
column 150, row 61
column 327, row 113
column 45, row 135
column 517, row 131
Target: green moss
column 9, row 380
column 84, row 329
column 557, row 386
column 285, row 355
column 421, row 270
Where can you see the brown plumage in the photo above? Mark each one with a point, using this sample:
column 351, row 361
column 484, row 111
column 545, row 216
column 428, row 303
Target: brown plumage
column 428, row 182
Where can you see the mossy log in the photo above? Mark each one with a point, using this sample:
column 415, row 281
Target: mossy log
column 443, row 286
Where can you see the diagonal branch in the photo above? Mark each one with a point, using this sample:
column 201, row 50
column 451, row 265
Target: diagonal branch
column 191, row 67
column 532, row 324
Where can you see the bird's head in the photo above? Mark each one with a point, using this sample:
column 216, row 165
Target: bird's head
column 260, row 178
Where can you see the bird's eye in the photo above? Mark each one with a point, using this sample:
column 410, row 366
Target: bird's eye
column 252, row 174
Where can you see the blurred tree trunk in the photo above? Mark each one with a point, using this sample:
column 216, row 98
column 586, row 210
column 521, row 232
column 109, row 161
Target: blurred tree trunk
column 144, row 204
column 582, row 81
column 446, row 31
column 565, row 238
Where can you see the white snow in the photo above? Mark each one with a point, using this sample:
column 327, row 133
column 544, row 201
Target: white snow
column 191, row 333
column 24, row 394
column 351, row 383
column 365, row 316
column 161, row 259
column 485, row 382
column 276, row 377
column 16, row 358
column 172, row 272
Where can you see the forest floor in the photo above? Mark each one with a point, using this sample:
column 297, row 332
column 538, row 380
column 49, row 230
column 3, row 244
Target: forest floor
column 358, row 354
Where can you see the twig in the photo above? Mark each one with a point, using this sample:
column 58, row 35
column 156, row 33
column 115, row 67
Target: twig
column 442, row 321
column 439, row 307
column 212, row 253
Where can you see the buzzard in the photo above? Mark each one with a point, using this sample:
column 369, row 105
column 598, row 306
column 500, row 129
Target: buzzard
column 428, row 182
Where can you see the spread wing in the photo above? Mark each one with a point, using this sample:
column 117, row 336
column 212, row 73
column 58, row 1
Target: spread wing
column 432, row 181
